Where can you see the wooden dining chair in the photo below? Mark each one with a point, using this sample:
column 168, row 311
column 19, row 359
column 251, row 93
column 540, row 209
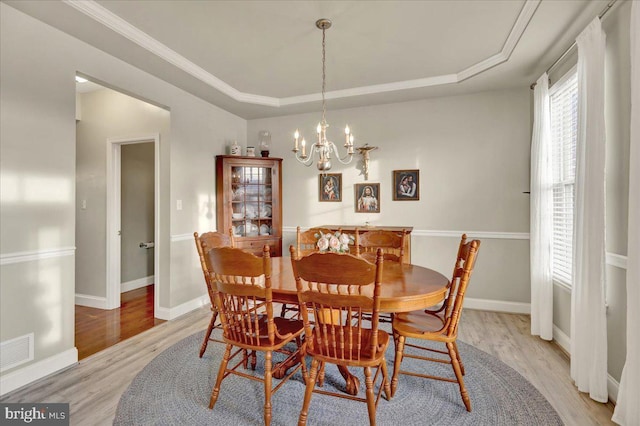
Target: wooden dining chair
column 439, row 325
column 242, row 292
column 392, row 244
column 204, row 243
column 335, row 287
column 306, row 243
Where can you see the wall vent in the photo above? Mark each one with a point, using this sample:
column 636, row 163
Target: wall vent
column 16, row 351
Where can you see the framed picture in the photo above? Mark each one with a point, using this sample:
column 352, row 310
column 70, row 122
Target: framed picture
column 330, row 187
column 406, row 185
column 367, row 197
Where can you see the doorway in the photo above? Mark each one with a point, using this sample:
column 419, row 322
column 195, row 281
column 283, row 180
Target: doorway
column 126, row 227
column 117, row 217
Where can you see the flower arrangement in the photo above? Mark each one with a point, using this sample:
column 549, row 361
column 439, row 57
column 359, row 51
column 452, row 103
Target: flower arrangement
column 336, row 242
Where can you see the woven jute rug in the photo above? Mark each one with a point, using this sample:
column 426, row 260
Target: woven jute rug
column 175, row 387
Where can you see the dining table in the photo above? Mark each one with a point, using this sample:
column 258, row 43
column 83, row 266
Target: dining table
column 404, row 288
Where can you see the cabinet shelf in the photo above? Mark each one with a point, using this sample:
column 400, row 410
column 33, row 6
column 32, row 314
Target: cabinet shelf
column 250, row 186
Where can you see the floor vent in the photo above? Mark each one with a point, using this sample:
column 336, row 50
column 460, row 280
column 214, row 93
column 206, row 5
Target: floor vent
column 16, row 351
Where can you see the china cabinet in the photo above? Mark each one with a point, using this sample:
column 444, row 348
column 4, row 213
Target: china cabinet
column 249, row 201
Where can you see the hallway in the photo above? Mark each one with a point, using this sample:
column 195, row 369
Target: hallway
column 98, row 329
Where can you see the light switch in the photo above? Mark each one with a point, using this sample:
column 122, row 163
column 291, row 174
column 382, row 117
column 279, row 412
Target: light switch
column 178, row 204
column 83, row 205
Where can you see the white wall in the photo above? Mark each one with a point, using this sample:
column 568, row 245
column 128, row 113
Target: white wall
column 37, row 202
column 473, row 155
column 617, row 120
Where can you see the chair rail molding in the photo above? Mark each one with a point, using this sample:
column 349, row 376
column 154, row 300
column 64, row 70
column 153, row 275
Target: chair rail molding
column 452, row 234
column 181, row 237
column 27, row 256
column 618, row 260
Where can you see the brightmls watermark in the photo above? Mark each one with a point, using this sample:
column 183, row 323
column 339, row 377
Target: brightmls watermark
column 34, row 414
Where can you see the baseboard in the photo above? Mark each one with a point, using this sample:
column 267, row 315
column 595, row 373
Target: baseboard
column 139, row 283
column 564, row 342
column 612, row 388
column 162, row 313
column 91, row 301
column 185, row 308
column 497, row 306
column 29, row 374
column 562, row 339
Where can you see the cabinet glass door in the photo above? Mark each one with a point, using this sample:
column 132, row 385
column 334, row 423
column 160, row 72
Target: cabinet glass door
column 252, row 202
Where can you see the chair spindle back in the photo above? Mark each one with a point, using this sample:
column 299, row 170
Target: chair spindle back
column 338, row 289
column 242, row 286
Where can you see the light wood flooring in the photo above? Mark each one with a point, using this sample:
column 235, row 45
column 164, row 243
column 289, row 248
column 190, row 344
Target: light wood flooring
column 98, row 329
column 93, row 387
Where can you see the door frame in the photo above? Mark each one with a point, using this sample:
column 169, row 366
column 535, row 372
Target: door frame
column 114, row 179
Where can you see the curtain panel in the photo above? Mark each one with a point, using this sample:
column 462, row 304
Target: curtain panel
column 627, row 410
column 588, row 312
column 541, row 214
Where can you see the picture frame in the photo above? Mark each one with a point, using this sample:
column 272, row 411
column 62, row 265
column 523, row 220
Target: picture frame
column 367, row 197
column 406, row 185
column 330, row 187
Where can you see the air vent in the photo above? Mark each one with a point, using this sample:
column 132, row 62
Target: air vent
column 16, row 351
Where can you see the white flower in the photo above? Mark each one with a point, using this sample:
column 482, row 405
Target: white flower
column 334, row 243
column 323, row 244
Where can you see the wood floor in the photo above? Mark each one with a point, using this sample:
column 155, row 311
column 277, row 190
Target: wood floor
column 98, row 329
column 93, row 387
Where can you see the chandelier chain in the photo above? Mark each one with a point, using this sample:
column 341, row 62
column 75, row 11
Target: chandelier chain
column 324, row 76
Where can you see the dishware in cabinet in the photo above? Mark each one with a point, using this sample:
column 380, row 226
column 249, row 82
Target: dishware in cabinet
column 249, row 201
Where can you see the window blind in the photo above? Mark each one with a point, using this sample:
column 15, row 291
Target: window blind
column 564, row 128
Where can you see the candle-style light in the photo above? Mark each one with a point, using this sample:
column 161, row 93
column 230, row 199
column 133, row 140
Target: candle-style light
column 323, row 147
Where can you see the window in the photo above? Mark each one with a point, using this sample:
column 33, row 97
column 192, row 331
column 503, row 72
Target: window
column 564, row 130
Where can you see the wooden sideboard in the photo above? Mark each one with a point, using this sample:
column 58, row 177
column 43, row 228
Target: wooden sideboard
column 349, row 229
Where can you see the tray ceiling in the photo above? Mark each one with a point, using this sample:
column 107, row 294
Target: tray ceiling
column 263, row 58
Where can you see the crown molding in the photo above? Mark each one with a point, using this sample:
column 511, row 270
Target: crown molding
column 518, row 29
column 112, row 21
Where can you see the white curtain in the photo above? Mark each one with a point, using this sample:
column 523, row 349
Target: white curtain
column 588, row 313
column 541, row 214
column 627, row 410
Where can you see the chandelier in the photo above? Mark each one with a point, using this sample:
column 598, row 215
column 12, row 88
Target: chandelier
column 323, row 148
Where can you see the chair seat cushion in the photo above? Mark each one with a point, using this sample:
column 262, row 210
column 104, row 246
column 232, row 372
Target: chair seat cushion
column 346, row 352
column 419, row 324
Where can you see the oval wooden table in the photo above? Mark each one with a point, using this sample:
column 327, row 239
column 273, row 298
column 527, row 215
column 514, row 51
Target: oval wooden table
column 404, row 288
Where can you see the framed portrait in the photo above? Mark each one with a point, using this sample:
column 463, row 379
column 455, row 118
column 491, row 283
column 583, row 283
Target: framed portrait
column 330, row 187
column 367, row 197
column 406, row 185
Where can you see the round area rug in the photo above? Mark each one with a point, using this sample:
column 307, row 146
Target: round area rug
column 174, row 389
